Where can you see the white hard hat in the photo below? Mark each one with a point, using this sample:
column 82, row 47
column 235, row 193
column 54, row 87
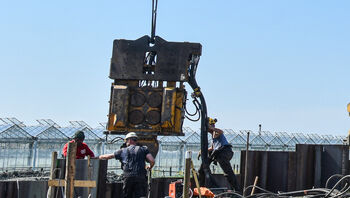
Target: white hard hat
column 131, row 135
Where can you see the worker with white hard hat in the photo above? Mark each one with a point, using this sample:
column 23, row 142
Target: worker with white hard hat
column 132, row 158
column 131, row 135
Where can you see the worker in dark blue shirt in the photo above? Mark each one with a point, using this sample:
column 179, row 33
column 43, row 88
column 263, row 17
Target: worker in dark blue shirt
column 221, row 152
column 133, row 159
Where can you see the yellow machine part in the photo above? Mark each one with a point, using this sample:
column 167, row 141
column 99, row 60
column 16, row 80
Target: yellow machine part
column 121, row 119
column 349, row 108
column 179, row 114
column 168, row 107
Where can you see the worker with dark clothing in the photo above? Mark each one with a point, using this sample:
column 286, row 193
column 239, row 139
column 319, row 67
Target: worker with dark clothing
column 220, row 152
column 82, row 148
column 133, row 159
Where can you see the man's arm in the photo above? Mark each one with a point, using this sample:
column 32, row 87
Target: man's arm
column 89, row 152
column 216, row 132
column 150, row 160
column 211, row 147
column 106, row 156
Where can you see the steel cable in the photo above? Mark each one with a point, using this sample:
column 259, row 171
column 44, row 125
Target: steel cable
column 310, row 193
column 154, row 20
column 331, row 177
column 345, row 177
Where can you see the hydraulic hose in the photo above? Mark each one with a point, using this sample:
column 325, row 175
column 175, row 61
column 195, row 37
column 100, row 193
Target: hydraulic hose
column 204, row 118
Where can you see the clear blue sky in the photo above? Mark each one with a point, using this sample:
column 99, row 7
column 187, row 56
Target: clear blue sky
column 284, row 64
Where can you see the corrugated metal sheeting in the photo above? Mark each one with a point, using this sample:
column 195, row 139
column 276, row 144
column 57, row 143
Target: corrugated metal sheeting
column 308, row 167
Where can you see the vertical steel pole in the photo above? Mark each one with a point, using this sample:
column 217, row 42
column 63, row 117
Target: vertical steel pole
column 103, row 148
column 35, row 147
column 246, row 164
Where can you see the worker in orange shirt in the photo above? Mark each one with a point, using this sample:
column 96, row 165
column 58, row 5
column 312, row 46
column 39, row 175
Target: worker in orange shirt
column 82, row 148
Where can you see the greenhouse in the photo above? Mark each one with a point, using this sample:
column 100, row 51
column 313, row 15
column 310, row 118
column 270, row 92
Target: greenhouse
column 30, row 147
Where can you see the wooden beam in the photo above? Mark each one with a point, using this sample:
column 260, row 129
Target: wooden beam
column 76, row 183
column 57, row 182
column 196, row 179
column 51, row 191
column 84, row 183
column 255, row 182
column 70, row 169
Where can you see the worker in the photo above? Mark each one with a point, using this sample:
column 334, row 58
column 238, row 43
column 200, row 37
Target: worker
column 133, row 159
column 220, row 152
column 82, row 148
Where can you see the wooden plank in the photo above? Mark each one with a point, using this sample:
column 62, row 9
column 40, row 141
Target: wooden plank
column 70, row 169
column 196, row 179
column 255, row 182
column 76, row 183
column 56, row 182
column 84, row 183
column 51, row 191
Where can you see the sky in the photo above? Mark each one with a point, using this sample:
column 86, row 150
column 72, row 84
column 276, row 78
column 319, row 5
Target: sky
column 282, row 64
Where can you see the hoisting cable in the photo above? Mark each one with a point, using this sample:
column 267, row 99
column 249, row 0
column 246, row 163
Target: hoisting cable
column 154, row 20
column 150, row 59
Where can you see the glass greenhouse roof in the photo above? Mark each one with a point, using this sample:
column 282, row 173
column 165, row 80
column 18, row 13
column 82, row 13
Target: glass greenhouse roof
column 169, row 139
column 71, row 130
column 45, row 132
column 14, row 132
column 47, row 129
column 99, row 132
column 5, row 127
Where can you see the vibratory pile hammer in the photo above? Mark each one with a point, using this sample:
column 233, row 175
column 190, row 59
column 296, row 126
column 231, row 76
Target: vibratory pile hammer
column 148, row 95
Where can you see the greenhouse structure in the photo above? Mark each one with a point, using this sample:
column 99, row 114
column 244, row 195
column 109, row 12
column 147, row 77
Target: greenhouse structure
column 30, row 147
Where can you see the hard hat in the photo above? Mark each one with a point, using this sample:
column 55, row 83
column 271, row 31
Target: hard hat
column 131, row 135
column 212, row 121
